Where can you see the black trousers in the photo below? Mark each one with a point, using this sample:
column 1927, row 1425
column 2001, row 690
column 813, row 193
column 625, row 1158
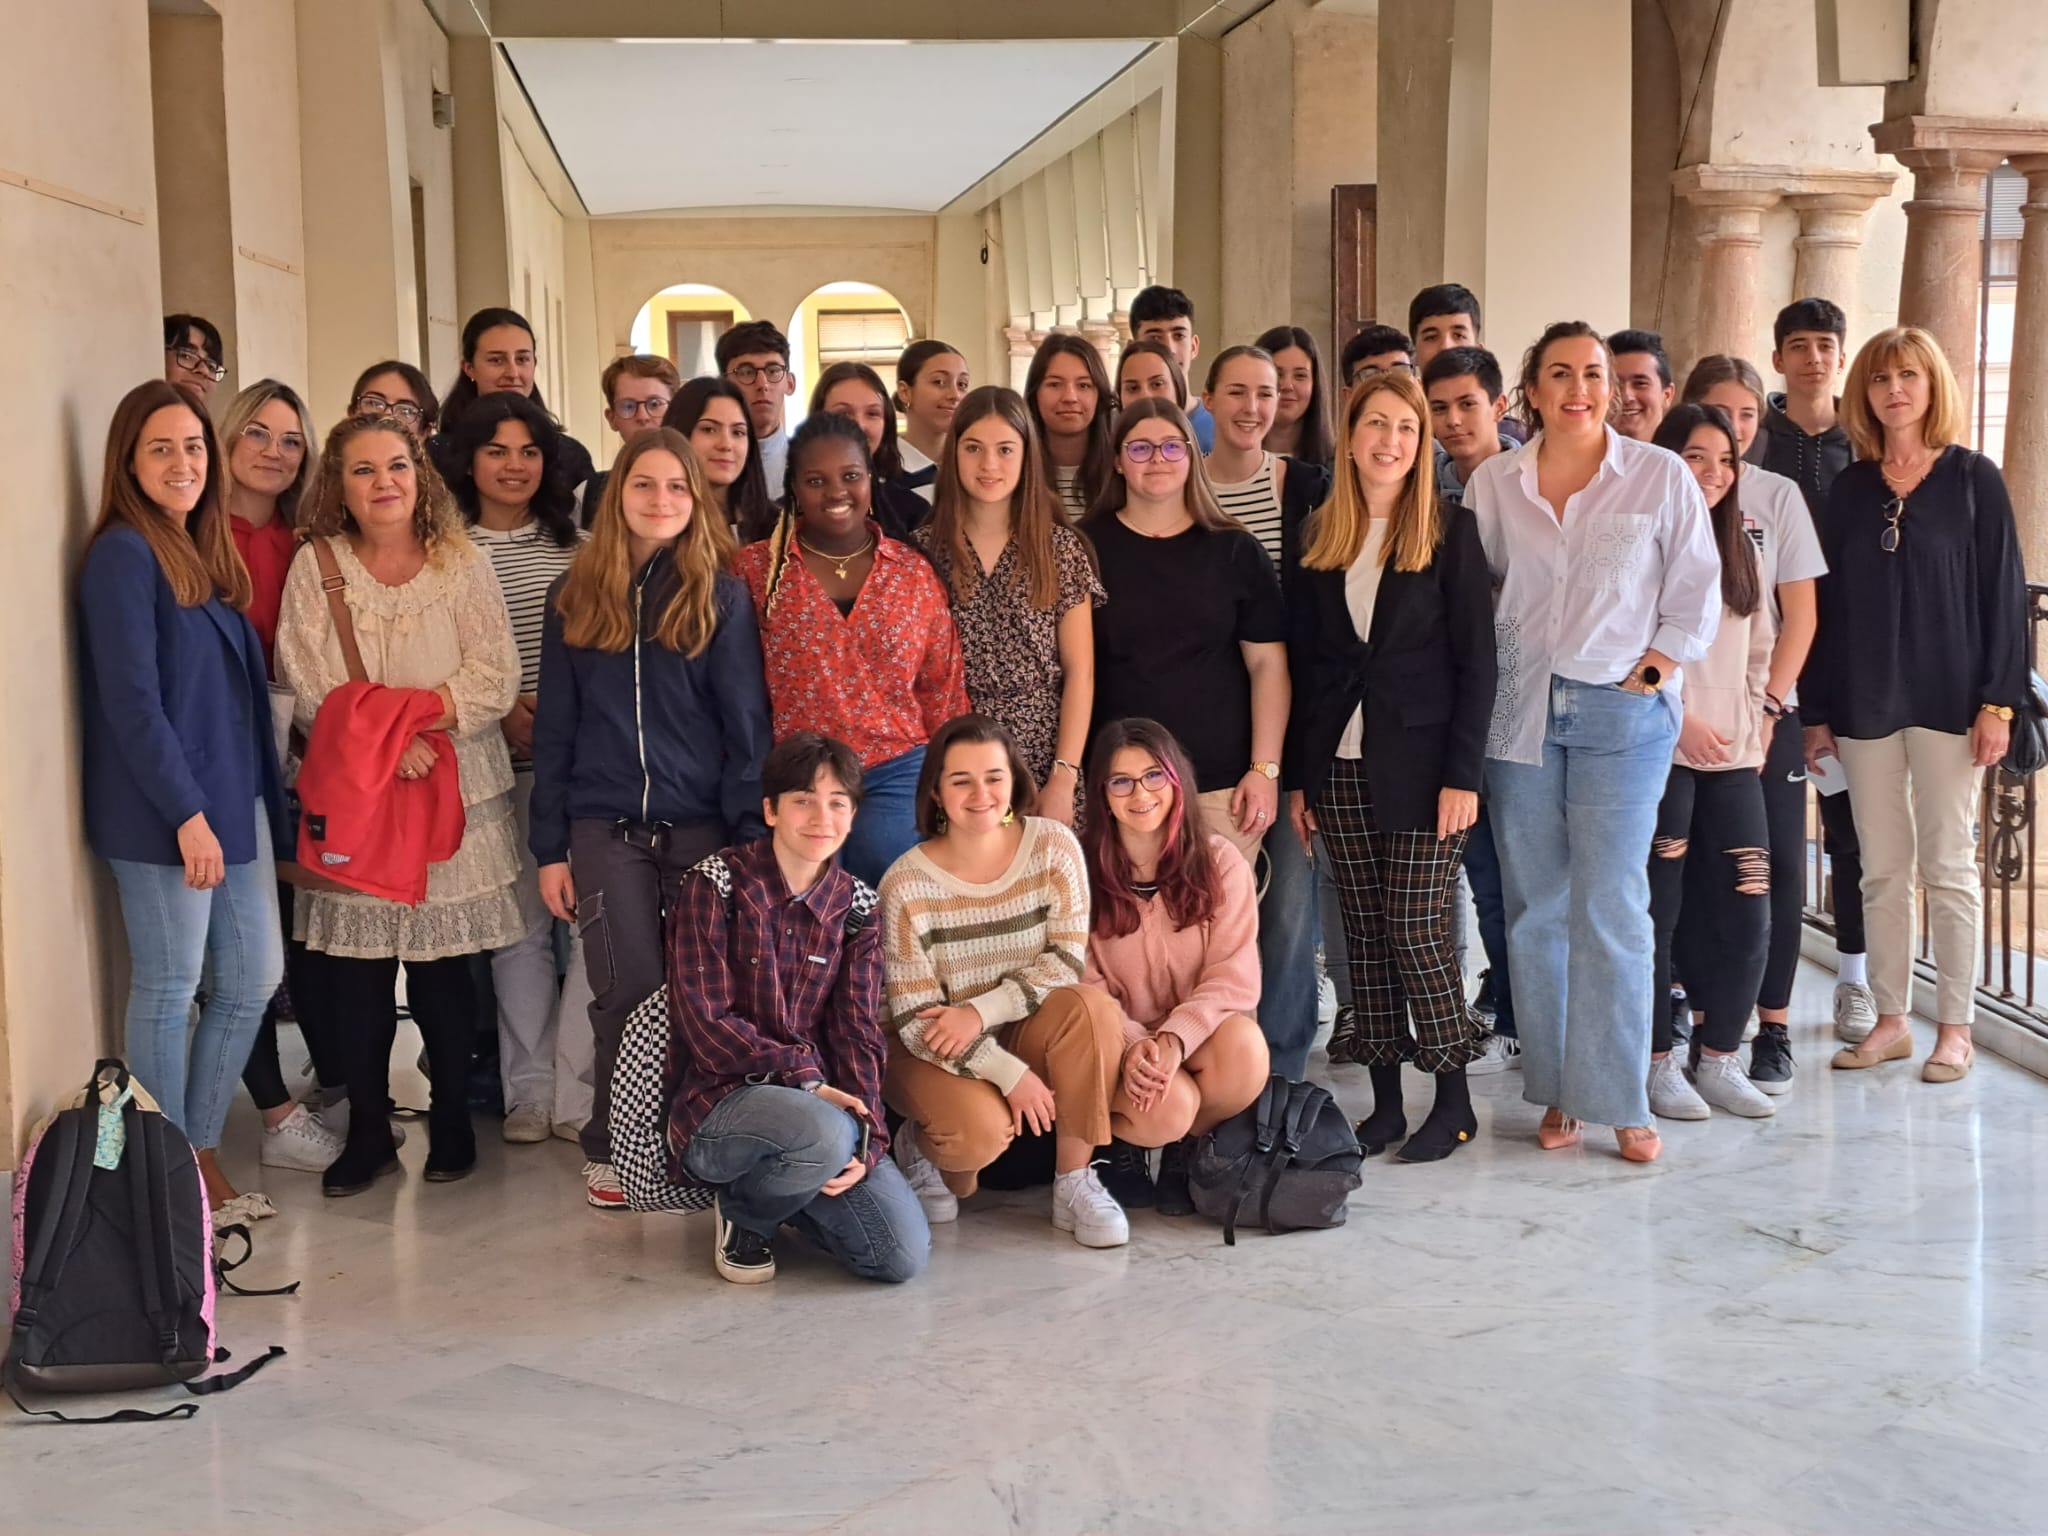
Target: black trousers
column 443, row 1003
column 1784, row 781
column 1404, row 972
column 1710, row 884
column 622, row 892
column 312, row 1003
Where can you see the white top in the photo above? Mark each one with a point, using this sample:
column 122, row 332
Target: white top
column 1361, row 594
column 775, row 460
column 1630, row 567
column 1775, row 516
column 1256, row 504
column 916, row 462
column 527, row 562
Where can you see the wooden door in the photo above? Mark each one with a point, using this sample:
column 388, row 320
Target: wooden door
column 1354, row 222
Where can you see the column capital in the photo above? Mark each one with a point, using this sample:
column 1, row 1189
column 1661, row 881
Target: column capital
column 1019, row 339
column 1799, row 185
column 2035, row 168
column 1752, row 188
column 1964, row 144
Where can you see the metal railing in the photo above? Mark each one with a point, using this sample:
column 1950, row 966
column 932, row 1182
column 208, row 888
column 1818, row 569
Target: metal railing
column 2015, row 946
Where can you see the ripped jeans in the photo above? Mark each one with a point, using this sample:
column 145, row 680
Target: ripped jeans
column 1710, row 901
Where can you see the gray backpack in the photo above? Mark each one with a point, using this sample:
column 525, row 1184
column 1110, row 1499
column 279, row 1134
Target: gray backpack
column 1288, row 1163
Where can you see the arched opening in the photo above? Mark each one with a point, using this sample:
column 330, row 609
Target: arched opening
column 845, row 323
column 683, row 323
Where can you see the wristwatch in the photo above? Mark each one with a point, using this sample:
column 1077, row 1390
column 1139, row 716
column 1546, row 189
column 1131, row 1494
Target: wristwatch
column 2003, row 711
column 1270, row 770
column 1647, row 674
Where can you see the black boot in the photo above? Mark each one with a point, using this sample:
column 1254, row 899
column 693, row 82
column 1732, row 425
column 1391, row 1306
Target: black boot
column 370, row 1151
column 1451, row 1122
column 1386, row 1124
column 443, row 1006
column 1171, row 1191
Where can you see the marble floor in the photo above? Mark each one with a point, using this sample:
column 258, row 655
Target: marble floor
column 1827, row 1322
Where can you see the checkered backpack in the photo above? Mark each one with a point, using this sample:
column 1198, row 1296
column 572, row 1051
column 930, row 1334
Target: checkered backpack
column 640, row 1087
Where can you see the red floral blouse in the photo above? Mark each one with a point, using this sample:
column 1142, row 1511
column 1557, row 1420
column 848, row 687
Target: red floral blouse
column 880, row 679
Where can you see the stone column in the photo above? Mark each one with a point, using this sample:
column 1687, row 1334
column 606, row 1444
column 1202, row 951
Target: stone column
column 1021, row 347
column 1828, row 250
column 1731, row 203
column 2026, row 407
column 1942, row 283
column 1102, row 336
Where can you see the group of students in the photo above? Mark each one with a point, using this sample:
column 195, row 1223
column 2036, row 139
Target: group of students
column 1007, row 770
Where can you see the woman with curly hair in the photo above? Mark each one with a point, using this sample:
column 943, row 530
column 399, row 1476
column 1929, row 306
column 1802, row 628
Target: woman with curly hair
column 427, row 615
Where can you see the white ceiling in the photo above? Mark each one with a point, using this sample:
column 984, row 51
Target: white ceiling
column 655, row 125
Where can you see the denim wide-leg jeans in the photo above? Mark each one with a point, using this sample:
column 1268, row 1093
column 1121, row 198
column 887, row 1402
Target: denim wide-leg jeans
column 1574, row 841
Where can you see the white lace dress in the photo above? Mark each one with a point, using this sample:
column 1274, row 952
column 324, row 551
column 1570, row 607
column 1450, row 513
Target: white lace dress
column 447, row 625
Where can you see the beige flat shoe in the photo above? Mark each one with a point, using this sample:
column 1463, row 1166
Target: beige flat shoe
column 1856, row 1057
column 1950, row 1071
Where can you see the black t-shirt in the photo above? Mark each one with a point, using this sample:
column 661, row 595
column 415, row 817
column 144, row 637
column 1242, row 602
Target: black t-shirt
column 1166, row 642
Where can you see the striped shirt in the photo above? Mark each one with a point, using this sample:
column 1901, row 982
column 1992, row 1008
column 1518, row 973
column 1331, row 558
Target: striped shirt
column 1066, row 483
column 526, row 562
column 1256, row 504
column 999, row 948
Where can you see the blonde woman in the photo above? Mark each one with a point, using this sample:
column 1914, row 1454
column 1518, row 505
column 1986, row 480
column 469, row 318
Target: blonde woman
column 1392, row 652
column 427, row 616
column 648, row 739
column 1919, row 665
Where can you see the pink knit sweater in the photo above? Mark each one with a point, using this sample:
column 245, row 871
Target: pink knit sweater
column 1185, row 981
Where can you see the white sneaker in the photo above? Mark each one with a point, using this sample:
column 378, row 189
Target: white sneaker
column 526, row 1123
column 568, row 1130
column 601, row 1187
column 1855, row 1012
column 1502, row 1053
column 940, row 1203
column 1721, row 1082
column 1081, row 1205
column 1326, row 998
column 300, row 1141
column 1671, row 1096
column 1752, row 1028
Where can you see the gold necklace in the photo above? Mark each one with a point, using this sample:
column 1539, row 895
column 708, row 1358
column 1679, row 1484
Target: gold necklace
column 838, row 563
column 1914, row 471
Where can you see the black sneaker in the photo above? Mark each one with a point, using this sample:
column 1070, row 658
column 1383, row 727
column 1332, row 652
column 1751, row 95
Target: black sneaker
column 1127, row 1175
column 1172, row 1188
column 741, row 1256
column 1770, row 1060
column 1343, row 1046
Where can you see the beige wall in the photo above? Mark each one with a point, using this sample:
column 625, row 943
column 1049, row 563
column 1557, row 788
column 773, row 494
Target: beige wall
column 84, row 330
column 769, row 264
column 1414, row 97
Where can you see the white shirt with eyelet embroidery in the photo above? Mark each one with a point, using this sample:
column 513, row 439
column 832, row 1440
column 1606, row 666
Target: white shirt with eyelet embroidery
column 1630, row 567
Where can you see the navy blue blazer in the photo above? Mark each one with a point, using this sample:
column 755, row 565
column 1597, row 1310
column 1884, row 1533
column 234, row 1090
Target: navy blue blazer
column 177, row 713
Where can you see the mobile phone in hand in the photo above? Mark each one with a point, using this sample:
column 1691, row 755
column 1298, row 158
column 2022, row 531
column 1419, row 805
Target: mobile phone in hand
column 867, row 1137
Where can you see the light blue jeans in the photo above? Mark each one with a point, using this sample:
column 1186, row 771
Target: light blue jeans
column 180, row 941
column 885, row 826
column 768, row 1150
column 1574, row 842
column 1289, row 919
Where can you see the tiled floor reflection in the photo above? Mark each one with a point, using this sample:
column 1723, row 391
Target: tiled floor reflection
column 1829, row 1322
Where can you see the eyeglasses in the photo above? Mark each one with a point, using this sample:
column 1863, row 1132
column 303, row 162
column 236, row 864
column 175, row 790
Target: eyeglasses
column 653, row 409
column 1888, row 541
column 259, row 437
column 1123, row 786
column 377, row 405
column 1140, row 450
column 192, row 360
column 1366, row 371
column 747, row 373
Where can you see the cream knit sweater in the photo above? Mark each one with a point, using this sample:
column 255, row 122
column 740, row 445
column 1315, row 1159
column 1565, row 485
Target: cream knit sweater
column 998, row 948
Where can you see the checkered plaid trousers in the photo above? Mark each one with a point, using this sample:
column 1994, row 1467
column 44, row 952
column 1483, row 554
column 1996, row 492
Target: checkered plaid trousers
column 1395, row 888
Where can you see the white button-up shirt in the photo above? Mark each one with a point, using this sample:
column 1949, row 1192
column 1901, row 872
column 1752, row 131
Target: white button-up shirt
column 1630, row 567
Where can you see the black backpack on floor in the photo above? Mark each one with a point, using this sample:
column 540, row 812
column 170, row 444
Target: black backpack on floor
column 114, row 1277
column 1287, row 1164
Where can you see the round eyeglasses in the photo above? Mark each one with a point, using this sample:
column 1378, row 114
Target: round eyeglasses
column 1141, row 450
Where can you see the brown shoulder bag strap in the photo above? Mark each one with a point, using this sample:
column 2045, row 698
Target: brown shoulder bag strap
column 334, row 584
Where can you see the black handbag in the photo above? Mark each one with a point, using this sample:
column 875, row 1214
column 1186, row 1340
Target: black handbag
column 2026, row 751
column 1287, row 1164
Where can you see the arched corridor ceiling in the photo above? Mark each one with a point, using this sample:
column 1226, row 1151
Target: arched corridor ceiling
column 657, row 125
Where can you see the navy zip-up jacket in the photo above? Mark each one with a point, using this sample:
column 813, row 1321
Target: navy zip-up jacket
column 647, row 734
